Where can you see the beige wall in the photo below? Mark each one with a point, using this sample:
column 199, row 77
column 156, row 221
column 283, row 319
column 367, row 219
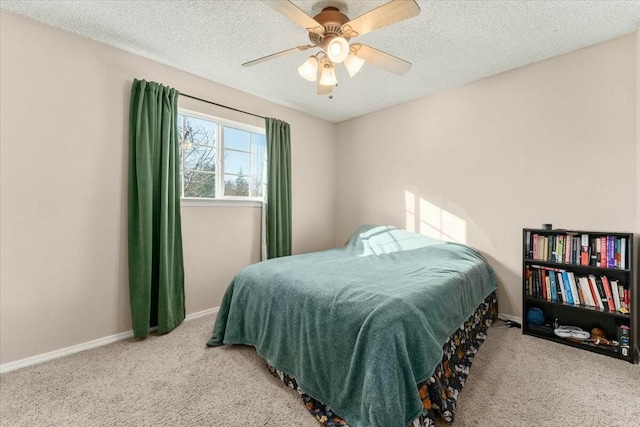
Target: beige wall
column 64, row 118
column 552, row 142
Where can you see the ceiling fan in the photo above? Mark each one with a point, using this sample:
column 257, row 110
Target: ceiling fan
column 331, row 30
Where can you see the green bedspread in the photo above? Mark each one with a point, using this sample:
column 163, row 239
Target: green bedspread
column 358, row 327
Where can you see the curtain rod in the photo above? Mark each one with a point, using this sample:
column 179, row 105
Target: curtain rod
column 219, row 105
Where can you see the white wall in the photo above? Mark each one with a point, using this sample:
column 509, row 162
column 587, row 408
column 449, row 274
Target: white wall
column 64, row 129
column 552, row 142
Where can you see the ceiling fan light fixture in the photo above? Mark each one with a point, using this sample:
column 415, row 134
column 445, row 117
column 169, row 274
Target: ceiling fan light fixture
column 309, row 69
column 353, row 64
column 328, row 75
column 338, row 49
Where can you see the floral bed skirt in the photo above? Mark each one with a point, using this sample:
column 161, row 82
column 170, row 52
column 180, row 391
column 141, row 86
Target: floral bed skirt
column 439, row 393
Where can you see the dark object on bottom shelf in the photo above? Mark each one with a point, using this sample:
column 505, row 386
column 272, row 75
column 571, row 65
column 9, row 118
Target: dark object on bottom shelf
column 512, row 324
column 546, row 330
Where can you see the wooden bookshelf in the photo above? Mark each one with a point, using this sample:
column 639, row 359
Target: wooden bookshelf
column 565, row 273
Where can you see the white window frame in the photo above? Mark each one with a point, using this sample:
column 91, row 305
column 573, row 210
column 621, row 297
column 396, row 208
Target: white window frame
column 221, row 200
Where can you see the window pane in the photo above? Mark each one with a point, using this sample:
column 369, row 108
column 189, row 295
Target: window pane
column 236, row 185
column 199, row 131
column 199, row 157
column 236, row 139
column 258, row 147
column 198, row 184
column 256, row 187
column 236, row 162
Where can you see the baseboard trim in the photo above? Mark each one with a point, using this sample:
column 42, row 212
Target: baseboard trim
column 504, row 316
column 12, row 366
column 206, row 312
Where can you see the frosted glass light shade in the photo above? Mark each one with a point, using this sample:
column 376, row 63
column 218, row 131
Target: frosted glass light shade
column 328, row 76
column 337, row 50
column 309, row 70
column 353, row 64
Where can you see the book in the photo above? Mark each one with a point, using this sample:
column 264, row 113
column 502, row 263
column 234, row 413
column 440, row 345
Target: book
column 567, row 255
column 603, row 297
column 593, row 283
column 611, row 252
column 561, row 294
column 574, row 289
column 592, row 291
column 584, row 250
column 535, row 247
column 593, row 252
column 627, row 299
column 607, row 292
column 561, row 248
column 617, row 253
column 567, row 287
column 621, row 295
column 554, row 290
column 583, row 283
column 614, row 294
column 603, row 251
column 623, row 253
column 547, row 284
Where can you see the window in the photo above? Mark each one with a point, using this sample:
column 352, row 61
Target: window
column 220, row 159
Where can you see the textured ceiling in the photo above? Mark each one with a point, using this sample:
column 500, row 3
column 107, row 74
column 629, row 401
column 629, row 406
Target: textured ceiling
column 449, row 42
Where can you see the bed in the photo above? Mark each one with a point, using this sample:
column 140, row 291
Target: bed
column 380, row 332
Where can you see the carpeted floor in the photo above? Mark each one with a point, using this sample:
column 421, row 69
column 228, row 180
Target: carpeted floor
column 174, row 380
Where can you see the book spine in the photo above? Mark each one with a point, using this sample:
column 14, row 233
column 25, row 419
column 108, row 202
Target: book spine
column 611, row 252
column 617, row 253
column 554, row 290
column 562, row 295
column 627, row 299
column 594, row 294
column 567, row 287
column 603, row 251
column 584, row 253
column 603, row 296
column 567, row 254
column 623, row 253
column 614, row 294
column 547, row 284
column 594, row 285
column 575, row 256
column 607, row 292
column 574, row 289
column 593, row 258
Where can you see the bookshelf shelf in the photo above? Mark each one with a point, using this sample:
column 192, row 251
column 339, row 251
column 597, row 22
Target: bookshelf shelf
column 574, row 277
column 595, row 310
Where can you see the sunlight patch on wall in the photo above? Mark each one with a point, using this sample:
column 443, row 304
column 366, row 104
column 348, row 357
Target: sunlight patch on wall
column 410, row 208
column 431, row 220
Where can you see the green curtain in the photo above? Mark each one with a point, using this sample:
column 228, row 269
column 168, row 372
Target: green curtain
column 278, row 217
column 156, row 271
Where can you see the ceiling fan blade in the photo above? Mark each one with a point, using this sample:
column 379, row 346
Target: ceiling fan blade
column 276, row 55
column 387, row 14
column 391, row 63
column 294, row 13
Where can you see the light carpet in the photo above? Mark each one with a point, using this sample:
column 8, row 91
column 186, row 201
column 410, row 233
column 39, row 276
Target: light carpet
column 174, row 380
